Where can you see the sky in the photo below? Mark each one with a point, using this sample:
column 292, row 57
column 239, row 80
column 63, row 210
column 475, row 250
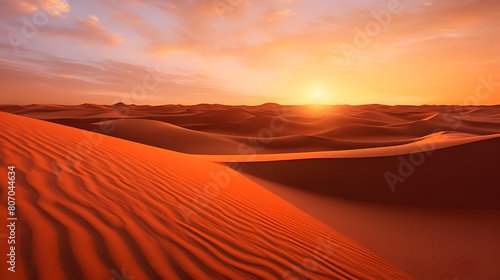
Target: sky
column 248, row 52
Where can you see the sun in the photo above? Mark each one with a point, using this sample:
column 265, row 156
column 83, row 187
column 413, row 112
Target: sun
column 315, row 94
column 319, row 97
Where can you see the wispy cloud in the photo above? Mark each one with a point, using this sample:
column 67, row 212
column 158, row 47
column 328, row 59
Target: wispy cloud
column 14, row 8
column 54, row 80
column 88, row 30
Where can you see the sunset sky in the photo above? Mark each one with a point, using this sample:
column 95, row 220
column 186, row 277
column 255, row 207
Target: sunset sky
column 251, row 52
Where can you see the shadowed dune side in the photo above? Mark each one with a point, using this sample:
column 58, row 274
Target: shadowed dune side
column 428, row 243
column 93, row 207
column 464, row 176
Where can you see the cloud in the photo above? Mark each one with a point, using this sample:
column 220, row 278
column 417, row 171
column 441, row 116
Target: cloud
column 88, row 30
column 463, row 27
column 191, row 25
column 55, row 7
column 134, row 22
column 16, row 8
column 56, row 80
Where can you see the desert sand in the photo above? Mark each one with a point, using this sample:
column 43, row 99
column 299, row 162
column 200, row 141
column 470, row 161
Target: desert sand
column 313, row 192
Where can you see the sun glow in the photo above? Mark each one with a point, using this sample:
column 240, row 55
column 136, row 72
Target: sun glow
column 317, row 95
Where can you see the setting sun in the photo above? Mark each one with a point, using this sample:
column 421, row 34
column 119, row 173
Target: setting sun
column 319, row 97
column 316, row 94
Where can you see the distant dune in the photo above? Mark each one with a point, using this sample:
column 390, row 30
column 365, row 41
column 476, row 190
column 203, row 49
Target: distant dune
column 404, row 192
column 283, row 129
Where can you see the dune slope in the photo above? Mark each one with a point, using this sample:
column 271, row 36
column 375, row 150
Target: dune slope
column 97, row 207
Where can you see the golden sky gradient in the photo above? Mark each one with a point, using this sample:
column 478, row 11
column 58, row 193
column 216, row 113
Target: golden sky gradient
column 250, row 52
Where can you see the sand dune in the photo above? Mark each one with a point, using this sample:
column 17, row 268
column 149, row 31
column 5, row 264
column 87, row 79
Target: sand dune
column 416, row 186
column 121, row 207
column 165, row 135
column 176, row 138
